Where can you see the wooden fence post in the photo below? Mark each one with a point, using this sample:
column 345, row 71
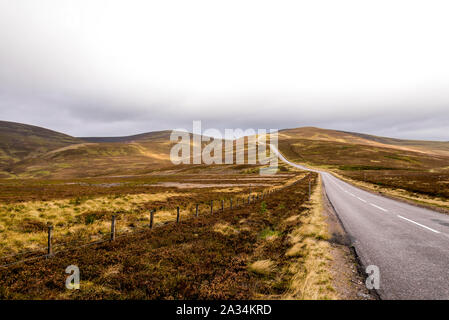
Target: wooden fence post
column 49, row 245
column 151, row 218
column 113, row 228
column 196, row 213
column 177, row 215
column 222, row 205
column 230, row 204
column 310, row 188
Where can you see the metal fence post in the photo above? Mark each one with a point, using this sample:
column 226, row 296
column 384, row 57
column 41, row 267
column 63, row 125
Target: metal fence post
column 196, row 213
column 177, row 215
column 310, row 188
column 211, row 206
column 249, row 199
column 230, row 204
column 222, row 205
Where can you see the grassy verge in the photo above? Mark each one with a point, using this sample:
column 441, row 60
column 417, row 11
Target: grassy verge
column 311, row 252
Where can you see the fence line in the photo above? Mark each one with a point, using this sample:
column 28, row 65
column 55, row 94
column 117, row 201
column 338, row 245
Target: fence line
column 114, row 234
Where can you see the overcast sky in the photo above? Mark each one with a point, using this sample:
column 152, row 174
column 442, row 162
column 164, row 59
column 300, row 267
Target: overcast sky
column 110, row 68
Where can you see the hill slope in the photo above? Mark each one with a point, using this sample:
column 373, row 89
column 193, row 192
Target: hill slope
column 155, row 135
column 318, row 134
column 48, row 154
column 28, row 151
column 415, row 169
column 20, row 141
column 32, row 152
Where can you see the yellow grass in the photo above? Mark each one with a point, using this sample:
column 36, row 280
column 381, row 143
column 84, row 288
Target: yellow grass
column 224, row 228
column 311, row 255
column 263, row 267
column 68, row 218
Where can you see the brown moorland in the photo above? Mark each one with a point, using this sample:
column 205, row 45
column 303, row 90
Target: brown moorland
column 243, row 254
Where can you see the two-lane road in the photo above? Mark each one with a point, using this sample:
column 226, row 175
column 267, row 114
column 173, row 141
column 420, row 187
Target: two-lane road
column 410, row 245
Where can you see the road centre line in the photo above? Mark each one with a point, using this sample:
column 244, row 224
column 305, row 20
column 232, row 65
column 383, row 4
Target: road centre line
column 419, row 224
column 380, row 208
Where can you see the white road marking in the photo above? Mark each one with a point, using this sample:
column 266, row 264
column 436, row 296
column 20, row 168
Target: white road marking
column 419, row 224
column 363, row 200
column 338, row 186
column 380, row 208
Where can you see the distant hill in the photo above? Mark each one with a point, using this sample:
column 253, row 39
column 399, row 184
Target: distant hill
column 355, row 151
column 156, row 135
column 32, row 152
column 313, row 133
column 20, row 141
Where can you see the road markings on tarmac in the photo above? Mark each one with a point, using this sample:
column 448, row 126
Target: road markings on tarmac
column 363, row 200
column 380, row 208
column 419, row 224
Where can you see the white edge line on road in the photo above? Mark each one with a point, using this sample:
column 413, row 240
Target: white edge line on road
column 380, row 208
column 419, row 224
column 362, row 199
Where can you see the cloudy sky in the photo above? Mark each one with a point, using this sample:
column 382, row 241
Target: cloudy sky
column 109, row 68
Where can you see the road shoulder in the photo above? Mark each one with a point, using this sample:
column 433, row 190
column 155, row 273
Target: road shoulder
column 347, row 272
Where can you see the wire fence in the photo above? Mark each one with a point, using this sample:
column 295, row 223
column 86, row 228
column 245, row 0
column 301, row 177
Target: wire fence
column 49, row 250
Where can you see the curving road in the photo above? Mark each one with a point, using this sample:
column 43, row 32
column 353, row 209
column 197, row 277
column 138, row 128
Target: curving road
column 409, row 245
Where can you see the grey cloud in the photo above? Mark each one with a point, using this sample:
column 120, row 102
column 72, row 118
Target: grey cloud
column 88, row 69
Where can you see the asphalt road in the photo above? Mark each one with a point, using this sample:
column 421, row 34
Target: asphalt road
column 409, row 245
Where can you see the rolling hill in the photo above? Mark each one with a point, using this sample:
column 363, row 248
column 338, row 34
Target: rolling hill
column 20, row 141
column 415, row 169
column 347, row 150
column 32, row 152
column 318, row 134
column 148, row 136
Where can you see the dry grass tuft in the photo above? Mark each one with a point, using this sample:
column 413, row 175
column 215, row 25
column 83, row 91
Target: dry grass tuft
column 296, row 250
column 262, row 267
column 225, row 229
column 113, row 270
